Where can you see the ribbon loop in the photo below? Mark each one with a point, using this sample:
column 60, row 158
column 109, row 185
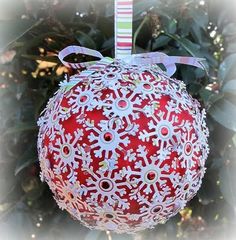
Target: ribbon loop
column 168, row 61
column 78, row 50
column 152, row 58
column 135, row 59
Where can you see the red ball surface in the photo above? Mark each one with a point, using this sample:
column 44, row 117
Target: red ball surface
column 123, row 149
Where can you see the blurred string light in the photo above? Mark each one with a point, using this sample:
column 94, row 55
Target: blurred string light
column 202, row 3
column 213, row 34
column 33, row 236
column 81, row 14
column 108, row 235
column 217, row 40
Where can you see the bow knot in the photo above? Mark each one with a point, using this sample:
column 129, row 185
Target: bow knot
column 134, row 59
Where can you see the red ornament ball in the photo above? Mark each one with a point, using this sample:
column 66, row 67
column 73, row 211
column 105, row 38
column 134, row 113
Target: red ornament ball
column 124, row 148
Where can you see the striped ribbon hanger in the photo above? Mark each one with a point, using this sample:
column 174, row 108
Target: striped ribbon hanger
column 123, row 28
column 123, row 17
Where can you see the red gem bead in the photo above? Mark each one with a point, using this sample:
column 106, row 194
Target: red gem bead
column 122, row 103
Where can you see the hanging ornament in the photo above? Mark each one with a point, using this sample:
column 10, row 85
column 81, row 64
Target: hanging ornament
column 122, row 145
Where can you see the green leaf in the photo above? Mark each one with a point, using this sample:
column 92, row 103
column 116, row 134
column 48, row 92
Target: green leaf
column 161, row 41
column 169, row 24
column 229, row 29
column 227, row 70
column 187, row 45
column 172, row 26
column 224, row 112
column 199, row 16
column 143, row 6
column 97, row 37
column 227, row 183
column 209, row 190
column 85, row 40
column 196, row 31
column 121, row 237
column 231, row 48
column 190, row 46
column 234, row 139
column 230, row 87
column 205, row 95
column 27, row 158
column 108, row 44
column 21, row 127
column 53, row 59
column 12, row 30
column 93, row 235
column 185, row 26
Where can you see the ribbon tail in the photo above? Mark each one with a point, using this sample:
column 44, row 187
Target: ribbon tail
column 191, row 61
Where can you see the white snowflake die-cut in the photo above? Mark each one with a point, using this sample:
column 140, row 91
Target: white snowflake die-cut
column 108, row 138
column 165, row 129
column 83, row 98
column 122, row 103
column 109, row 78
column 68, row 196
column 154, row 212
column 147, row 85
column 67, row 153
column 106, row 217
column 149, row 174
column 106, row 187
column 49, row 122
column 188, row 149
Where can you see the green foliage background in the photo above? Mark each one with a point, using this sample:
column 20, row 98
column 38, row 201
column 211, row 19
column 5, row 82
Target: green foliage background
column 37, row 30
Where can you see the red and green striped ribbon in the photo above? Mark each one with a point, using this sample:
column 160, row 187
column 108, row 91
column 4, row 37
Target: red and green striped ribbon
column 123, row 28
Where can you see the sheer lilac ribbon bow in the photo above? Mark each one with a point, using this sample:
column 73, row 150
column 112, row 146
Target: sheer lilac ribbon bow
column 134, row 59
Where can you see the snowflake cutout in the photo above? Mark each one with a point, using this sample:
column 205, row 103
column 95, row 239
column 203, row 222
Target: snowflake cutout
column 107, row 138
column 149, row 173
column 122, row 103
column 165, row 130
column 66, row 153
column 82, row 98
column 102, row 187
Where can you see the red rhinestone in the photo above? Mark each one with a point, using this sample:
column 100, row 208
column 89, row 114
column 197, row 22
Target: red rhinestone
column 188, row 148
column 151, row 175
column 54, row 117
column 71, row 195
column 186, row 187
column 83, row 98
column 156, row 209
column 110, row 75
column 108, row 136
column 110, row 216
column 66, row 150
column 122, row 104
column 87, row 148
column 164, row 131
column 124, row 84
column 147, row 86
column 105, row 185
